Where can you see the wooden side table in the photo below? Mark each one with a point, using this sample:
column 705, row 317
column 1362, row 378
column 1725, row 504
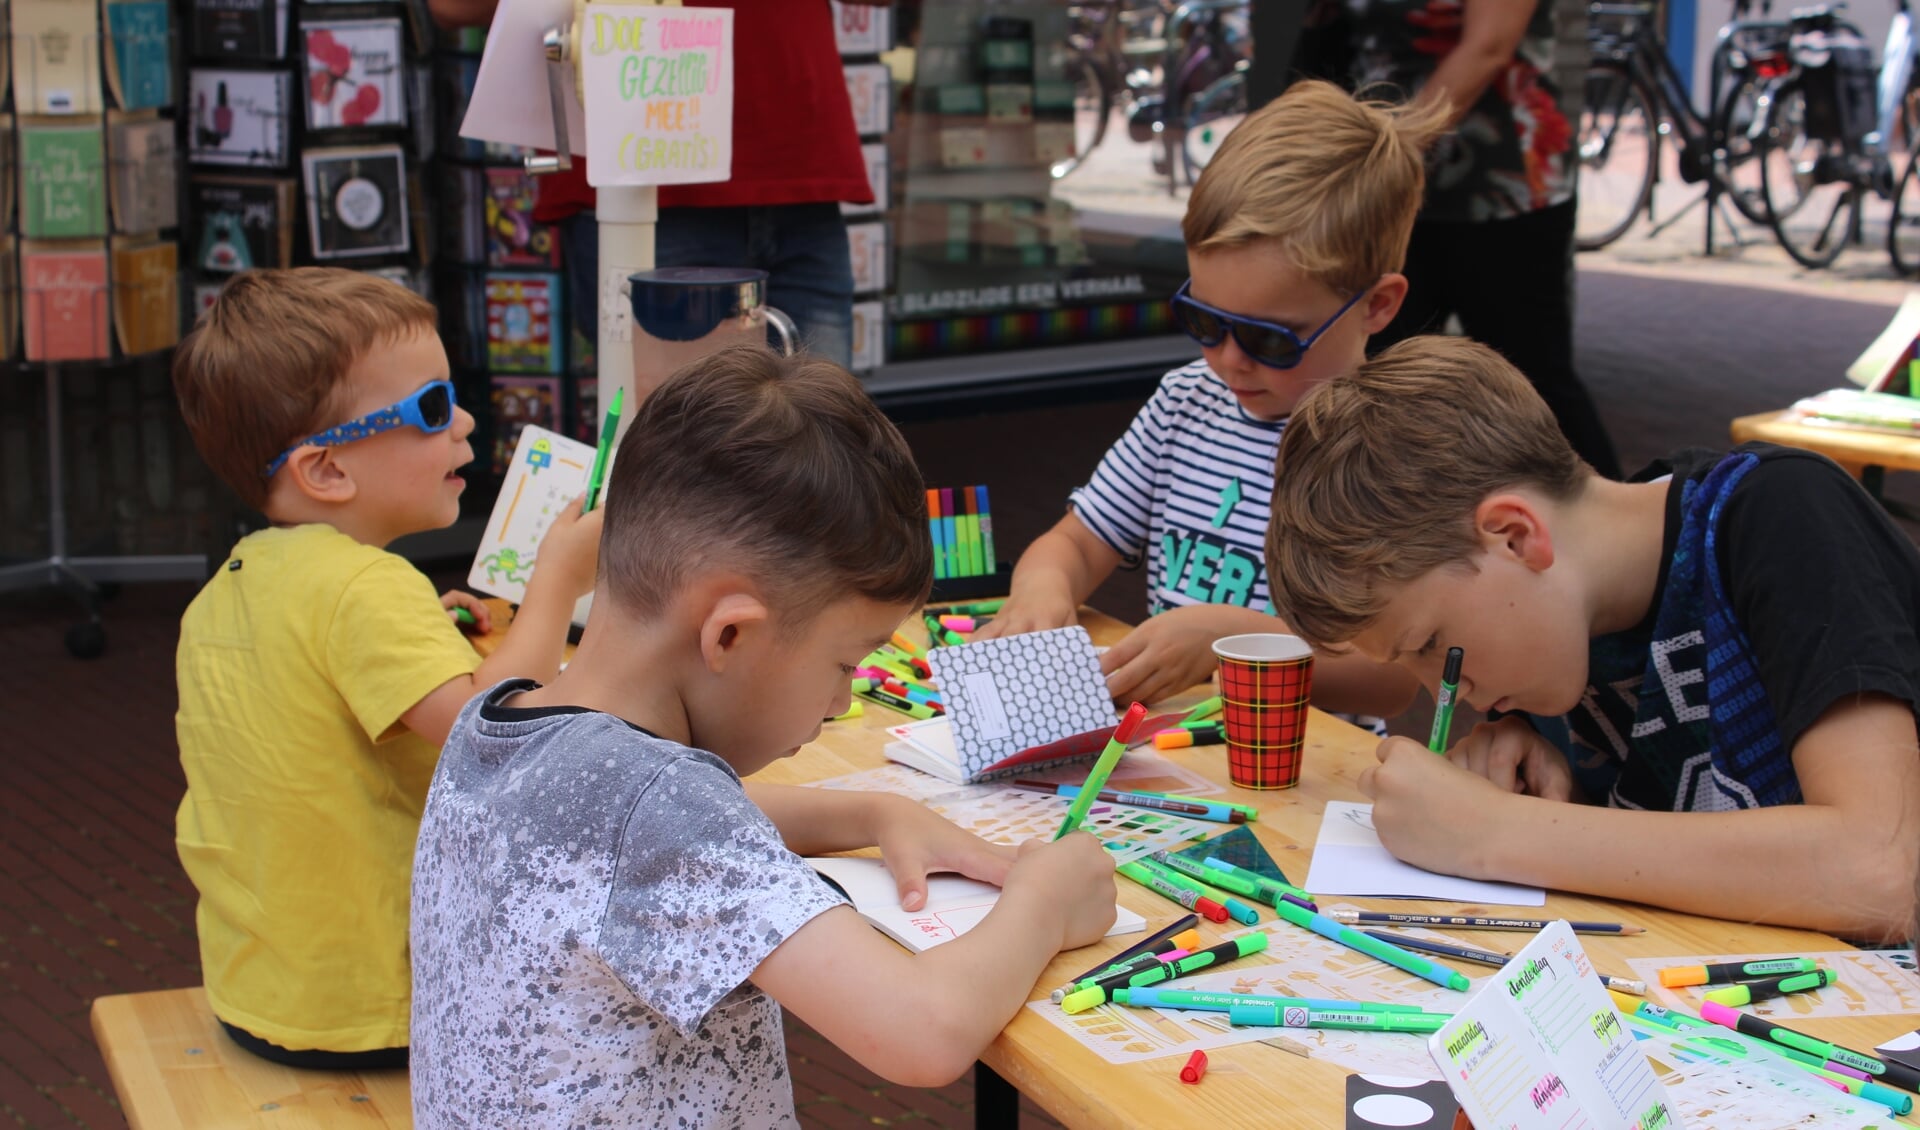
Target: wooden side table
column 1867, row 456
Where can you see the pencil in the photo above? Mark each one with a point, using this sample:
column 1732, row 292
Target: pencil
column 1443, row 701
column 1464, row 953
column 1458, row 922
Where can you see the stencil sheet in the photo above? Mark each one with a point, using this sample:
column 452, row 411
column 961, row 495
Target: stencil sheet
column 1870, row 985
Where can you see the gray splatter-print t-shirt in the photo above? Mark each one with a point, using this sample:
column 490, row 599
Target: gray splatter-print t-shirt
column 588, row 903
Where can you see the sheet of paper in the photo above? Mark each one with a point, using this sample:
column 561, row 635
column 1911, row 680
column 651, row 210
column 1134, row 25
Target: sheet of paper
column 547, row 472
column 1870, row 984
column 1707, row 1093
column 955, row 903
column 661, row 82
column 1348, row 859
column 509, row 103
column 1304, row 965
column 1544, row 1048
column 1013, row 693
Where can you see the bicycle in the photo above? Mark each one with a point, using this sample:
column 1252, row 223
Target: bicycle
column 1111, row 43
column 1634, row 96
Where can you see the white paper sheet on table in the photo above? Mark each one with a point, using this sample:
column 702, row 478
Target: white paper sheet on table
column 1348, row 859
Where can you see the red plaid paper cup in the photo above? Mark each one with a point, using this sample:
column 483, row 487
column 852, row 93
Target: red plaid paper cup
column 1265, row 679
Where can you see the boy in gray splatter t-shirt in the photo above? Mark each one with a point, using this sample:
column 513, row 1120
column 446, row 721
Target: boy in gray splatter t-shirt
column 604, row 915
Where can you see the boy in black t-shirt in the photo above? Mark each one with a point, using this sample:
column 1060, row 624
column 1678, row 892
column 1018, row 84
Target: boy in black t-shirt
column 1726, row 632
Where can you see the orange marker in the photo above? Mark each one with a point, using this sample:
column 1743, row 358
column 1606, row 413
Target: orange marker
column 1183, row 737
column 1682, row 976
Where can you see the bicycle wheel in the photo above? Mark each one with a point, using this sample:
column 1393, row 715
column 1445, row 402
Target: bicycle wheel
column 1812, row 202
column 1619, row 148
column 1740, row 165
column 1092, row 108
column 1211, row 116
column 1903, row 230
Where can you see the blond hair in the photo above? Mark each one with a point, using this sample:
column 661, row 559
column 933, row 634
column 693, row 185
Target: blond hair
column 781, row 468
column 1380, row 473
column 262, row 368
column 1336, row 180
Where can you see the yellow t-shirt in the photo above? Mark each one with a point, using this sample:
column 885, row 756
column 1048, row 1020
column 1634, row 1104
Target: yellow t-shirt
column 304, row 791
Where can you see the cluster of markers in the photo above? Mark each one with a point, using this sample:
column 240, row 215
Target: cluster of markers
column 897, row 675
column 1201, row 726
column 1722, row 1032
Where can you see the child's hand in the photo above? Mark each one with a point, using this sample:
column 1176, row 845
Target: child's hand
column 915, row 840
column 570, row 551
column 482, row 622
column 1515, row 758
column 1075, row 875
column 1430, row 812
column 1022, row 614
column 1162, row 657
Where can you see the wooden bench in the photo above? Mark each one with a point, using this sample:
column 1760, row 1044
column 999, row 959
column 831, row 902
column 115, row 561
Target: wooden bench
column 175, row 1069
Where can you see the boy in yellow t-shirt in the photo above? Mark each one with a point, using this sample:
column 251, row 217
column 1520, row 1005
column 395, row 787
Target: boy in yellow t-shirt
column 318, row 673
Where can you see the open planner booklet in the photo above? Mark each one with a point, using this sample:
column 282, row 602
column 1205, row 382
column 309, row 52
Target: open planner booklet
column 548, row 471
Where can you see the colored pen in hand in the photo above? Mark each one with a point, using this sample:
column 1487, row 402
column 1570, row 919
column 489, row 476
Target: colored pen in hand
column 1103, row 768
column 603, row 451
column 1443, row 701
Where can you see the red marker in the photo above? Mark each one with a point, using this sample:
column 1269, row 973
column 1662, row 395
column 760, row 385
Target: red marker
column 1196, row 1068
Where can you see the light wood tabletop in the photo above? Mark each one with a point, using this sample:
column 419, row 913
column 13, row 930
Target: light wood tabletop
column 1852, row 448
column 1257, row 1084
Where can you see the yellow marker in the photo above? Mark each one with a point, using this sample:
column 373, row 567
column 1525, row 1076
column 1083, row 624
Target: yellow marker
column 854, row 710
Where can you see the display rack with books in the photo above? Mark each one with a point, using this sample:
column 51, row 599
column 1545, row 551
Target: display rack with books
column 863, row 33
column 506, row 309
column 90, row 304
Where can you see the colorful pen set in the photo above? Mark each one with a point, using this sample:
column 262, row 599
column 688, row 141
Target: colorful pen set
column 1267, row 890
column 1165, row 887
column 1747, row 992
column 1187, row 875
column 940, row 633
column 1182, row 942
column 1880, row 1071
column 1731, row 1045
column 960, row 522
column 1097, row 993
column 1183, row 736
column 1169, row 937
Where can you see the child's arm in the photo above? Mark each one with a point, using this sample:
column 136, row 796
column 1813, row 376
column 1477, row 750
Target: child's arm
column 1057, row 572
column 921, row 1019
column 913, row 839
column 1174, row 650
column 569, row 553
column 1843, row 862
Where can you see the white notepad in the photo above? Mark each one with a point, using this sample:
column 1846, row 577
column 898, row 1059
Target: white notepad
column 548, row 471
column 955, row 903
column 1349, row 859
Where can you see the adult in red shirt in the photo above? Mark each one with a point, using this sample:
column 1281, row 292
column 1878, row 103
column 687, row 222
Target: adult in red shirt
column 796, row 157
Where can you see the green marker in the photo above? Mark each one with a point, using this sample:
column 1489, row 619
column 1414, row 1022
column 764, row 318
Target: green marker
column 1886, row 1071
column 1206, row 709
column 1103, row 768
column 1443, row 701
column 1239, row 911
column 976, row 608
column 603, row 450
column 1266, row 890
column 1730, row 1044
column 937, row 630
column 1295, row 1014
column 1222, row 1002
column 1194, row 869
column 463, row 616
column 1084, row 999
column 1373, row 947
column 1733, row 996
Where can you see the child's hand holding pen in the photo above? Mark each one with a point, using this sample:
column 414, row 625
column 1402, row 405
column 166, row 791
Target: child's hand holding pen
column 468, row 611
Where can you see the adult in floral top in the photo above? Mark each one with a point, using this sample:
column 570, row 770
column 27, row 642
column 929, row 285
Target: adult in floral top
column 1493, row 243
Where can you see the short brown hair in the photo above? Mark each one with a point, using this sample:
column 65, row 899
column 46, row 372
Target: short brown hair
column 779, row 467
column 1380, row 473
column 1336, row 180
column 262, row 367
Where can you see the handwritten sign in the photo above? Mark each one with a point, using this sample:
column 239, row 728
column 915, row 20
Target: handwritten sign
column 660, row 84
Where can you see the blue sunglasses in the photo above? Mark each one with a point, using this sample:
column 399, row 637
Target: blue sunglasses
column 430, row 409
column 1269, row 343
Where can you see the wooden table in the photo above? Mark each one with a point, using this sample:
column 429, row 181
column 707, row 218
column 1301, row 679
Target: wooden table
column 1867, row 456
column 1256, row 1084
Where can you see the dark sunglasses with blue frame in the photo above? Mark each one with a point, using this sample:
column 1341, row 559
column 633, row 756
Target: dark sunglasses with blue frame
column 1268, row 343
column 430, row 409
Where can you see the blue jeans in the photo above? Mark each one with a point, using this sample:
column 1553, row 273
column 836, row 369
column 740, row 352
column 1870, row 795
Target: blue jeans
column 802, row 247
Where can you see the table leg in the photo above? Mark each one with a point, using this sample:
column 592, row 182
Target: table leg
column 996, row 1104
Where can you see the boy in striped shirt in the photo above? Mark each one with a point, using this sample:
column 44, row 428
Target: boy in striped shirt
column 1296, row 234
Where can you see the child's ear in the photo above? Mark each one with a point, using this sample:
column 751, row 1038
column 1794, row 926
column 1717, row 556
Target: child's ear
column 320, row 477
column 1383, row 305
column 1515, row 525
column 730, row 619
